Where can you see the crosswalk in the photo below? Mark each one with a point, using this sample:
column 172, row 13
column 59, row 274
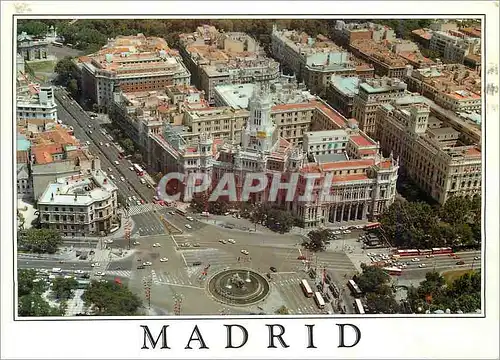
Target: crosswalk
column 157, row 277
column 328, row 260
column 211, row 256
column 140, row 209
column 288, row 286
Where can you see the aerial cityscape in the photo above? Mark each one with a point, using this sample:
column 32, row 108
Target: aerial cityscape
column 248, row 166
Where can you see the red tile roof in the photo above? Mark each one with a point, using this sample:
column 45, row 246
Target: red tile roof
column 43, row 153
column 348, row 164
column 352, row 177
column 386, row 164
column 338, row 119
column 473, row 152
column 361, row 140
column 311, row 168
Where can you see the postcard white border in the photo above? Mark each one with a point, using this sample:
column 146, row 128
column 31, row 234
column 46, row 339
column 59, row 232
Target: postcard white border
column 395, row 337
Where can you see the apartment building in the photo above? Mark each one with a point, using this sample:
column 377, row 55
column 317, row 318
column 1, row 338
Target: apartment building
column 346, row 33
column 385, row 62
column 35, row 102
column 314, row 60
column 371, row 94
column 32, row 48
column 218, row 58
column 435, row 158
column 452, row 86
column 454, row 46
column 422, row 36
column 24, row 184
column 55, row 153
column 133, row 63
column 340, row 92
column 80, row 205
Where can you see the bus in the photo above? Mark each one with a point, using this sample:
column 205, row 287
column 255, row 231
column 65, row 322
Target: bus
column 444, row 250
column 319, row 300
column 372, row 226
column 138, row 169
column 58, row 44
column 393, row 270
column 354, row 288
column 306, row 288
column 181, row 212
column 359, row 306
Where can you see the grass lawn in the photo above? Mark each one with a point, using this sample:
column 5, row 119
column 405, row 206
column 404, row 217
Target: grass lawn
column 451, row 276
column 42, row 66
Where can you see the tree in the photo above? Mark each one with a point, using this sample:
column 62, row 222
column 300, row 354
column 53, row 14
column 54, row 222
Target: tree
column 73, row 88
column 27, row 283
column 63, row 288
column 128, row 145
column 35, row 305
column 318, row 240
column 40, row 240
column 138, row 158
column 66, row 70
column 382, row 303
column 31, row 27
column 199, row 202
column 20, row 220
column 217, row 207
column 111, row 299
column 283, row 310
column 371, row 279
column 456, row 210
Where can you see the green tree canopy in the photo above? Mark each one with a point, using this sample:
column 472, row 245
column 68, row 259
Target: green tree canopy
column 40, row 240
column 371, row 279
column 283, row 310
column 63, row 289
column 318, row 240
column 35, row 305
column 67, row 70
column 111, row 299
column 32, row 27
column 27, row 283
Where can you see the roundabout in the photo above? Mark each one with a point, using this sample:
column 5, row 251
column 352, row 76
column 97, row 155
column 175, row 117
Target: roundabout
column 238, row 287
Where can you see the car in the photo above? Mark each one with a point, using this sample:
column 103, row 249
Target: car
column 196, row 245
column 273, row 269
column 451, row 255
column 129, row 199
column 346, row 231
column 156, row 245
column 189, row 218
column 147, row 263
column 337, row 232
column 197, row 263
column 101, row 143
column 131, row 168
column 108, row 241
column 456, row 257
column 86, row 276
column 163, row 259
column 79, row 271
column 461, row 262
column 90, row 132
column 244, row 252
column 149, row 186
column 477, row 258
column 89, row 126
column 188, row 226
column 142, row 202
column 136, row 243
column 95, row 264
column 100, row 273
column 117, row 162
column 107, row 144
column 133, row 197
column 222, row 241
column 301, row 257
column 141, row 267
column 421, row 265
column 231, row 241
column 359, row 227
column 138, row 202
column 87, row 142
column 110, row 170
column 112, row 177
column 91, row 252
column 171, row 212
column 415, row 259
column 429, row 256
column 122, row 179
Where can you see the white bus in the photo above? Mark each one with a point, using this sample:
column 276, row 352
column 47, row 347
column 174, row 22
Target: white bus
column 354, row 288
column 359, row 306
column 319, row 300
column 138, row 169
column 306, row 288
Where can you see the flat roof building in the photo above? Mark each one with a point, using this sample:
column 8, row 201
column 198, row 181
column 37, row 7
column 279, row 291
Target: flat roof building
column 36, row 102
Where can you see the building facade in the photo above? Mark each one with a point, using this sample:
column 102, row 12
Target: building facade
column 454, row 46
column 31, row 48
column 371, row 94
column 80, row 205
column 437, row 159
column 36, row 104
column 340, row 93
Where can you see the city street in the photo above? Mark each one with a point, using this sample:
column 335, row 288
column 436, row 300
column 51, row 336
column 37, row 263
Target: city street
column 72, row 114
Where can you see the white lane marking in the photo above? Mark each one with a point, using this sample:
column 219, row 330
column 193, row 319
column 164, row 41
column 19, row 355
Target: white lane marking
column 183, row 258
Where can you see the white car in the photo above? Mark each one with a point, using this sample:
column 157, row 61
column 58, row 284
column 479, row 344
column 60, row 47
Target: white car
column 421, row 265
column 107, row 145
column 100, row 273
column 476, row 258
column 112, row 177
column 90, row 132
column 222, row 241
column 244, row 252
column 163, row 260
column 188, row 226
column 359, row 227
column 231, row 241
column 415, row 259
column 95, row 265
column 101, row 143
column 133, row 197
column 346, row 231
column 136, row 243
column 110, row 170
column 429, row 256
column 109, row 241
column 156, row 245
column 130, row 199
column 87, row 142
column 138, row 202
column 131, row 168
column 90, row 126
column 189, row 218
column 78, row 271
column 147, row 263
column 122, row 178
column 117, row 162
column 337, row 232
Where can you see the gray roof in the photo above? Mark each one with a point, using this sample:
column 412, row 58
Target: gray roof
column 326, row 158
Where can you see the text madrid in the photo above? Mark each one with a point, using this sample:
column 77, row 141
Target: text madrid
column 253, row 183
column 349, row 336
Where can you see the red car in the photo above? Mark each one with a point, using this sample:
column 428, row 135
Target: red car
column 302, row 257
column 142, row 201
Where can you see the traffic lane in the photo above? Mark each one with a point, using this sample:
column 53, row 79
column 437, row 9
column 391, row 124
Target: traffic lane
column 82, row 135
column 122, row 264
column 147, row 224
column 419, row 274
column 111, row 152
column 42, row 264
column 442, row 260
